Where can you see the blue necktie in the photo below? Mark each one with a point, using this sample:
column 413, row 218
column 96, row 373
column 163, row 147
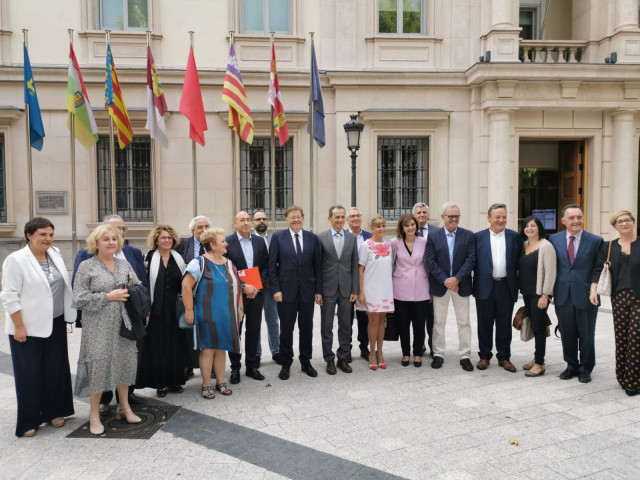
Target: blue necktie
column 298, row 247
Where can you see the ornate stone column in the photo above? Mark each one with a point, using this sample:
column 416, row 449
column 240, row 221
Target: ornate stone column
column 499, row 173
column 624, row 162
column 502, row 37
column 626, row 16
column 625, row 41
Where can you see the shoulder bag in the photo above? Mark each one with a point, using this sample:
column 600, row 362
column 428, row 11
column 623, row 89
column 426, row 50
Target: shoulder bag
column 180, row 312
column 604, row 282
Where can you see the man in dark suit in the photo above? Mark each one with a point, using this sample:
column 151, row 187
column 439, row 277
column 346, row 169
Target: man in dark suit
column 190, row 247
column 577, row 252
column 340, row 288
column 135, row 258
column 495, row 286
column 450, row 257
column 354, row 219
column 246, row 250
column 421, row 211
column 295, row 276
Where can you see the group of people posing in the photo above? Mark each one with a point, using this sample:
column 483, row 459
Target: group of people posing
column 203, row 300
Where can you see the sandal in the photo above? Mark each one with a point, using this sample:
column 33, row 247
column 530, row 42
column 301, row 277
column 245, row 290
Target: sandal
column 222, row 388
column 208, row 393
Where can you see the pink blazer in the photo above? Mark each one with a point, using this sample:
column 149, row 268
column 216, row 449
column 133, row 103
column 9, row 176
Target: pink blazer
column 410, row 278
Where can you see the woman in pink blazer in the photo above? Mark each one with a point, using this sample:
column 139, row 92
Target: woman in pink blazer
column 410, row 287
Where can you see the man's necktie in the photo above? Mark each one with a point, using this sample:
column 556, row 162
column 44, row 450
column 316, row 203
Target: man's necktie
column 298, row 246
column 571, row 250
column 339, row 245
column 201, row 252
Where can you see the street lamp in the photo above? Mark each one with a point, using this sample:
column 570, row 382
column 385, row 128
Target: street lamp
column 353, row 128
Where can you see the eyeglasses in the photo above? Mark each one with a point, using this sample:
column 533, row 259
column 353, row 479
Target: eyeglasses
column 355, row 216
column 259, row 219
column 295, row 219
column 123, row 229
column 623, row 221
column 453, row 217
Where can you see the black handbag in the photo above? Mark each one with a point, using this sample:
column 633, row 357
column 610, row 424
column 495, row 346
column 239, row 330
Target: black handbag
column 391, row 330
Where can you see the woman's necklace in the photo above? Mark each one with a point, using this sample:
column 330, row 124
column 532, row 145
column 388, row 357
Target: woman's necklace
column 223, row 275
column 49, row 270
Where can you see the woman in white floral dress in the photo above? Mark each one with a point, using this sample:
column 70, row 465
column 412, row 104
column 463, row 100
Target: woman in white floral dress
column 376, row 287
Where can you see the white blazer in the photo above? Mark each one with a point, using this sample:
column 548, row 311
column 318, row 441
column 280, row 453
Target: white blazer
column 26, row 288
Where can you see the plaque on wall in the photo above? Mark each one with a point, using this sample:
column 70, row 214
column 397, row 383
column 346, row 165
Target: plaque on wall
column 51, row 203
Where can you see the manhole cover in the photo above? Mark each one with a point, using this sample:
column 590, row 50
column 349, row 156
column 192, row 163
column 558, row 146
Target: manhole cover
column 153, row 417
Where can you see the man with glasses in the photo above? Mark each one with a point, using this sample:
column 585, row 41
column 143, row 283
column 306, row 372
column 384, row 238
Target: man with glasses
column 451, row 256
column 260, row 227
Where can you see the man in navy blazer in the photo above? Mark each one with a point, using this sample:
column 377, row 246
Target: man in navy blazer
column 495, row 286
column 246, row 250
column 450, row 258
column 354, row 219
column 190, row 247
column 577, row 252
column 295, row 275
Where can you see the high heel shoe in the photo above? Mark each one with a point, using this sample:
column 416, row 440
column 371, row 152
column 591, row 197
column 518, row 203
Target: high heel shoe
column 96, row 430
column 127, row 414
column 373, row 366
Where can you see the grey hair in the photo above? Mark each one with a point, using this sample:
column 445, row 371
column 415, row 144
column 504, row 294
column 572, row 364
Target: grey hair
column 111, row 217
column 352, row 208
column 336, row 207
column 447, row 205
column 496, row 206
column 419, row 205
column 192, row 223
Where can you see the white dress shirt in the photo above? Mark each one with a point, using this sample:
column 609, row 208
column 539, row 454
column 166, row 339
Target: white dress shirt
column 293, row 239
column 498, row 253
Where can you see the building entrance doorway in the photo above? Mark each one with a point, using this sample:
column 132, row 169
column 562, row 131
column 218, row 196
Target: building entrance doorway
column 551, row 175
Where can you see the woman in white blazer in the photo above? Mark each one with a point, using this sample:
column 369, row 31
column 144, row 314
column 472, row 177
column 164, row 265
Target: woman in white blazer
column 36, row 295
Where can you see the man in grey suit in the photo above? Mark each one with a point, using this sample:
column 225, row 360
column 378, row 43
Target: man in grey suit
column 339, row 250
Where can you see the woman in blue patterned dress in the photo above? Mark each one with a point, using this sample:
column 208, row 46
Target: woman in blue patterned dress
column 215, row 308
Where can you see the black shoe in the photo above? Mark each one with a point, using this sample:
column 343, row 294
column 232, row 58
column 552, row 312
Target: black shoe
column 364, row 354
column 405, row 363
column 584, row 377
column 176, row 389
column 567, row 375
column 235, row 376
column 309, row 370
column 631, row 393
column 437, row 362
column 276, row 358
column 188, row 373
column 349, row 359
column 136, row 400
column 258, row 362
column 466, row 365
column 255, row 374
column 103, row 409
column 417, row 364
column 161, row 392
column 284, row 373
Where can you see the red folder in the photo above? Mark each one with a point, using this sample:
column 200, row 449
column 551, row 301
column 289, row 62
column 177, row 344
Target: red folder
column 251, row 276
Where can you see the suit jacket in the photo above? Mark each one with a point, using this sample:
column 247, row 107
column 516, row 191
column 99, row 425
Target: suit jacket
column 574, row 281
column 437, row 258
column 290, row 276
column 260, row 255
column 339, row 275
column 483, row 271
column 185, row 248
column 410, row 278
column 268, row 236
column 616, row 251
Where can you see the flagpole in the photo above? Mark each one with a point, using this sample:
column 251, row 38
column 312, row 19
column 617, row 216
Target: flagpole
column 193, row 158
column 272, row 176
column 72, row 137
column 112, row 153
column 234, row 159
column 25, row 33
column 311, row 162
column 154, row 181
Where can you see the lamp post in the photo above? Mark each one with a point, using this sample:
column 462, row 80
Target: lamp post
column 353, row 128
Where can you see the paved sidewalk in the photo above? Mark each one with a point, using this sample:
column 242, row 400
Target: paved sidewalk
column 403, row 422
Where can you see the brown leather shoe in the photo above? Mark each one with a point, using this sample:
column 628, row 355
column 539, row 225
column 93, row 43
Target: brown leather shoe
column 535, row 371
column 507, row 365
column 343, row 365
column 331, row 367
column 483, row 364
column 529, row 366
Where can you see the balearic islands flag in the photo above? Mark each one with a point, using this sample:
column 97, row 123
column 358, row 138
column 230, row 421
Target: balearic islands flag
column 233, row 94
column 85, row 128
column 156, row 104
column 114, row 102
column 275, row 100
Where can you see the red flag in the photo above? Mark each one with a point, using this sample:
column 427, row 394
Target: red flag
column 191, row 102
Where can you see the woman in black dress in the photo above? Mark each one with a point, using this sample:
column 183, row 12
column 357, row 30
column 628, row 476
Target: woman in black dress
column 164, row 355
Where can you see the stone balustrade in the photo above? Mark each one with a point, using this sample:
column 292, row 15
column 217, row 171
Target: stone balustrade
column 552, row 51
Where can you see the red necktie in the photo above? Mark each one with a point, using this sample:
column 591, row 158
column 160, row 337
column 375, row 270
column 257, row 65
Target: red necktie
column 571, row 250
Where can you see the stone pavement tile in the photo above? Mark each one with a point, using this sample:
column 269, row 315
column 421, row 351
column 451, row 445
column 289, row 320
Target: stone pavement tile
column 604, row 475
column 598, row 410
column 579, row 466
column 485, row 470
column 542, row 472
column 594, row 442
column 462, row 457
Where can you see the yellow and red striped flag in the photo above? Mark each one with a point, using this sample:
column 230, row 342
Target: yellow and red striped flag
column 233, row 94
column 275, row 100
column 156, row 104
column 114, row 102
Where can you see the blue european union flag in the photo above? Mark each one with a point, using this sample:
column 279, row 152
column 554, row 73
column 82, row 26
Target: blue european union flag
column 318, row 105
column 36, row 128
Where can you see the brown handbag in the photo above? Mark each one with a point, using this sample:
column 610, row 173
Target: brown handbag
column 517, row 319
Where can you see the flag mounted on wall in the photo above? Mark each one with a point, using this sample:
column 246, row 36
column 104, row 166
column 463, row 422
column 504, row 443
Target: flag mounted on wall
column 114, row 102
column 156, row 104
column 36, row 128
column 86, row 130
column 275, row 100
column 234, row 95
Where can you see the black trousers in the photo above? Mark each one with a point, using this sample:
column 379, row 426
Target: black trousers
column 252, row 321
column 538, row 325
column 42, row 378
column 498, row 310
column 429, row 323
column 408, row 314
column 363, row 329
column 289, row 312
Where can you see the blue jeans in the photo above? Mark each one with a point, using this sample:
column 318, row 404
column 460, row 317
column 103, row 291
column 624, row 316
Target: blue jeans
column 270, row 308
